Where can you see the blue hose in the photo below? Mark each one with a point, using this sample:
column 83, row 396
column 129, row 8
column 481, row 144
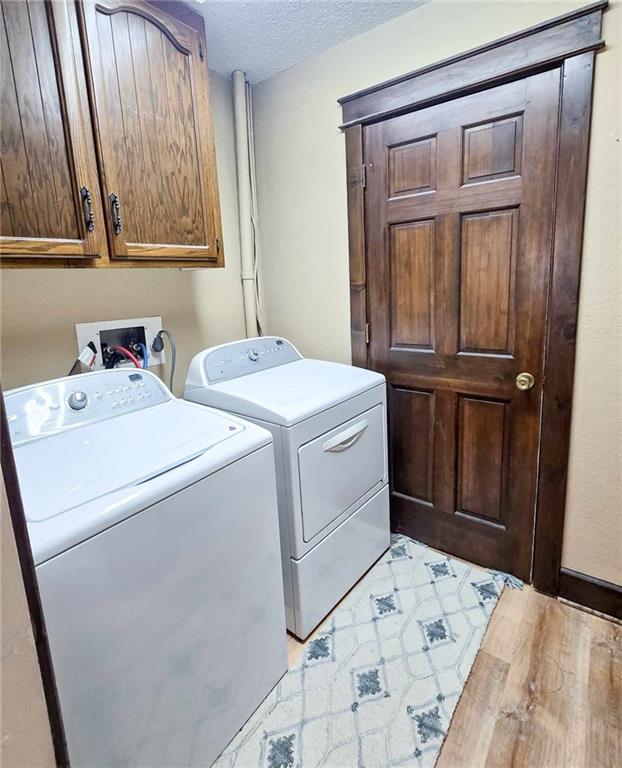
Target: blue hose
column 143, row 351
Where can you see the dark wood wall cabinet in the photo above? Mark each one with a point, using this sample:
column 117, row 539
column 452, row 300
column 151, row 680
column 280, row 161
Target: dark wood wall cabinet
column 466, row 192
column 107, row 147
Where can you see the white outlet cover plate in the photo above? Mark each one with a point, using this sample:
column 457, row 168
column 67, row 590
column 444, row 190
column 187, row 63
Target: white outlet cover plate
column 86, row 332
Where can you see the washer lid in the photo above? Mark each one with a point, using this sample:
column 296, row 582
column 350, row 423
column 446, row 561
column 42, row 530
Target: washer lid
column 62, row 471
column 287, row 394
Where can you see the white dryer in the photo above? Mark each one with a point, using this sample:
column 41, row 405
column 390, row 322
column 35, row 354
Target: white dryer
column 328, row 421
column 154, row 530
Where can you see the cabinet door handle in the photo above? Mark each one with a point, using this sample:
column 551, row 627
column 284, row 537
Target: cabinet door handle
column 87, row 209
column 115, row 210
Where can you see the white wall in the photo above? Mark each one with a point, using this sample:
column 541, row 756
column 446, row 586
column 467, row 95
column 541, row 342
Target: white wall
column 593, row 533
column 303, row 216
column 200, row 307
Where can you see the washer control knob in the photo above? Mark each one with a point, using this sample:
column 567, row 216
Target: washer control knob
column 253, row 354
column 77, row 400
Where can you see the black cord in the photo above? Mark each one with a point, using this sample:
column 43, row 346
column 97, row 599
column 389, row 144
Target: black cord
column 113, row 358
column 158, row 346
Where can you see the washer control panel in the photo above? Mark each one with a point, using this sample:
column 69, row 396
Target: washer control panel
column 248, row 356
column 49, row 407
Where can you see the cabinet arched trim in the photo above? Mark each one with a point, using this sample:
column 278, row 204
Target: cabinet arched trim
column 148, row 17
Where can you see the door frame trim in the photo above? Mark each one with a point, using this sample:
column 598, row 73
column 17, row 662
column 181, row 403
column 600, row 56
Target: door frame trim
column 568, row 42
column 542, row 46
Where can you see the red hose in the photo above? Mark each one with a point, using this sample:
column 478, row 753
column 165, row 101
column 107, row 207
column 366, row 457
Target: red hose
column 126, row 353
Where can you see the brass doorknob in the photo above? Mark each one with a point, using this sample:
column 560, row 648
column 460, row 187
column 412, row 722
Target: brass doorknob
column 525, row 381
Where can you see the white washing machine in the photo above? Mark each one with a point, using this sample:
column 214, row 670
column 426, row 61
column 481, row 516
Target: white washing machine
column 154, row 529
column 328, row 421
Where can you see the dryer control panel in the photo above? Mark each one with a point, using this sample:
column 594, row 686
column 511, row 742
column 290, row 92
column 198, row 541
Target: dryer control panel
column 43, row 409
column 240, row 358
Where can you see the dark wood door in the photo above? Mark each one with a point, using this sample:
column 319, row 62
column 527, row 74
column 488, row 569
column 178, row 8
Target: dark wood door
column 150, row 86
column 50, row 205
column 459, row 220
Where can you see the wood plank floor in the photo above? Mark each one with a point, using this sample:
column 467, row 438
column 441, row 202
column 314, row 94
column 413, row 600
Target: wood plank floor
column 545, row 690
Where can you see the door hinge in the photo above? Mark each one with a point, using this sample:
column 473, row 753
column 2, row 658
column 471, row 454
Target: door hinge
column 217, row 245
column 201, row 51
column 364, row 176
column 367, row 333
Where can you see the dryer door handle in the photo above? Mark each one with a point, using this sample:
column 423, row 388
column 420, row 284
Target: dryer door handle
column 345, row 439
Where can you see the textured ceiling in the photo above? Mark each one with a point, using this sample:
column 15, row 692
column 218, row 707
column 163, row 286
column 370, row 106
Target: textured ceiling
column 266, row 36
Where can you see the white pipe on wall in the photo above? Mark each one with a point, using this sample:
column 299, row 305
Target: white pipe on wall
column 244, row 202
column 254, row 212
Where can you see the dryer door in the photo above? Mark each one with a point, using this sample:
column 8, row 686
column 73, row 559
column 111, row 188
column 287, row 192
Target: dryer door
column 339, row 468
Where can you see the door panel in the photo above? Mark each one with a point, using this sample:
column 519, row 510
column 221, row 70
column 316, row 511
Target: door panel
column 412, row 256
column 481, row 457
column 492, row 150
column 458, row 225
column 412, row 167
column 150, row 88
column 487, row 262
column 412, row 457
column 47, row 152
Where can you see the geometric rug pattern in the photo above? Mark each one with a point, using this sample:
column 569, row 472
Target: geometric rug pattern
column 378, row 683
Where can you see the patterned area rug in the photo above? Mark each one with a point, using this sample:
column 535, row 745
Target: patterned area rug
column 378, row 683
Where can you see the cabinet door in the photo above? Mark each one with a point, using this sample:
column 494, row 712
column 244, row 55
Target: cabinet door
column 150, row 87
column 50, row 205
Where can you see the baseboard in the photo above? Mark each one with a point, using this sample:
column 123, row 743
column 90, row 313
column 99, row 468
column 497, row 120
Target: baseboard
column 594, row 593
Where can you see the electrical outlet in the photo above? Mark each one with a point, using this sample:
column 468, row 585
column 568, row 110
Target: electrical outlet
column 104, row 333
